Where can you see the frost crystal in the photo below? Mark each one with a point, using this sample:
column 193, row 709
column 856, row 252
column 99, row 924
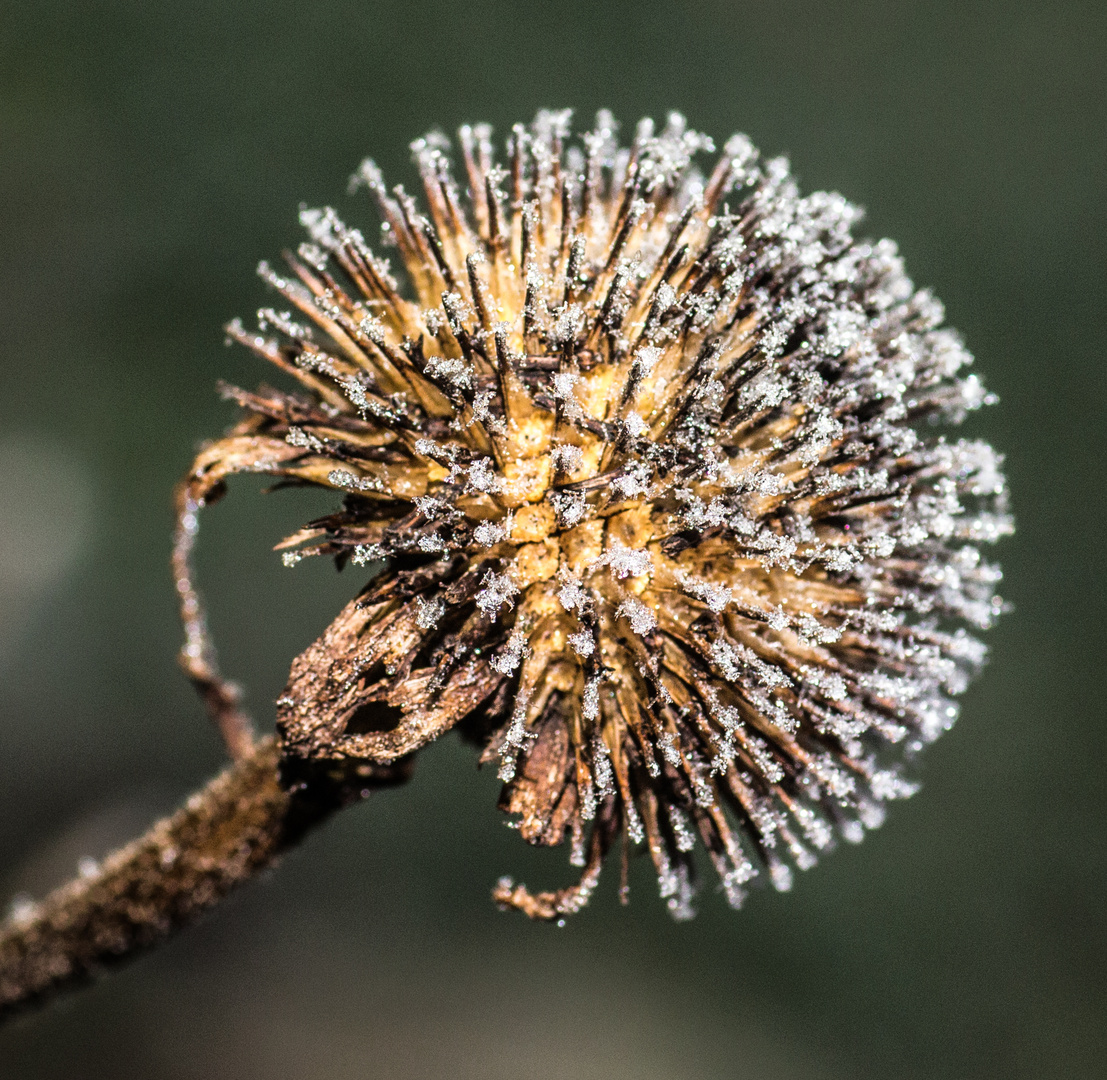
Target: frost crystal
column 651, row 458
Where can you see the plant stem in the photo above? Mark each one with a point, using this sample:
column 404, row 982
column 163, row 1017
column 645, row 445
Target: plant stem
column 224, row 835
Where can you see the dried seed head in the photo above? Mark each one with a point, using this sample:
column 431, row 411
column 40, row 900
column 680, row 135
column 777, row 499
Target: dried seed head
column 642, row 453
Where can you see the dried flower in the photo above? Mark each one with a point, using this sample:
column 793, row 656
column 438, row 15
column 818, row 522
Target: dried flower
column 641, row 452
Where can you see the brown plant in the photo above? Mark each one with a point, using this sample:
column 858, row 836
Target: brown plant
column 639, row 459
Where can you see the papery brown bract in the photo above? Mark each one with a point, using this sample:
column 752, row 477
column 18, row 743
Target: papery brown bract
column 645, row 456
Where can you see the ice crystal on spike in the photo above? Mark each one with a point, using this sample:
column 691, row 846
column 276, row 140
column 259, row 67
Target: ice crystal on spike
column 648, row 454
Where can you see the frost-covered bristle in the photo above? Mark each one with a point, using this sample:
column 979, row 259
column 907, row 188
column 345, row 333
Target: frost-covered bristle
column 645, row 450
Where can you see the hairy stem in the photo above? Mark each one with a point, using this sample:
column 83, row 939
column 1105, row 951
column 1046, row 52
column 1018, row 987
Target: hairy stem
column 224, row 835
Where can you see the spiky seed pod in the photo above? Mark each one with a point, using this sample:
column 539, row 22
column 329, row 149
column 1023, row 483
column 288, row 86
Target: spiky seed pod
column 642, row 453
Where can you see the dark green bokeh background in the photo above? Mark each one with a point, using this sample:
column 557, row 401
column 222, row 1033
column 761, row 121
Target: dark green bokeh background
column 150, row 154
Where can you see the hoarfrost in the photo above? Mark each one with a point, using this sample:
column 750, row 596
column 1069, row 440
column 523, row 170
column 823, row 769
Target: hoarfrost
column 429, row 612
column 641, row 618
column 583, row 643
column 497, row 590
column 512, row 654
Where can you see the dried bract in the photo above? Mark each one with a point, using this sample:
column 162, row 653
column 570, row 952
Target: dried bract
column 646, row 455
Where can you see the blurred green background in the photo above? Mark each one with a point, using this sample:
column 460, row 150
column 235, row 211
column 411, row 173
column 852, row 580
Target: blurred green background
column 150, row 154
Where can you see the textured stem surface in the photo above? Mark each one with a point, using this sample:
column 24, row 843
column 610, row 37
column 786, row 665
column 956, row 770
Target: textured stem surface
column 227, row 832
